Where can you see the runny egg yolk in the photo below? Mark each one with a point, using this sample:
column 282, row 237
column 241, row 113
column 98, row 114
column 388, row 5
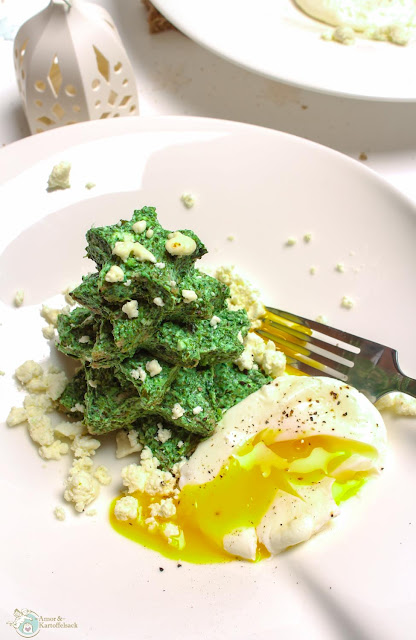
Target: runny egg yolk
column 240, row 495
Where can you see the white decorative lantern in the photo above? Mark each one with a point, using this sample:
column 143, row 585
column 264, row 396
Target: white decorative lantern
column 71, row 66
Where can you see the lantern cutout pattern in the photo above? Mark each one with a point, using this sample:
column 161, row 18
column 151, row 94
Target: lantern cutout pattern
column 71, row 66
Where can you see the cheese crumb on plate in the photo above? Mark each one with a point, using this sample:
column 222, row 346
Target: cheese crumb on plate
column 59, row 176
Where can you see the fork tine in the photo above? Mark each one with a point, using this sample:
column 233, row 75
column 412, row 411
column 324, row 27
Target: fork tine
column 313, row 371
column 301, row 354
column 371, row 367
column 303, row 338
column 348, row 338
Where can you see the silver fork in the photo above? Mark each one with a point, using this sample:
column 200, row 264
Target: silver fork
column 317, row 349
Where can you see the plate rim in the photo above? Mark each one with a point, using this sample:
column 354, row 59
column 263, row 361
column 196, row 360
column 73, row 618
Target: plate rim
column 21, row 155
column 278, row 77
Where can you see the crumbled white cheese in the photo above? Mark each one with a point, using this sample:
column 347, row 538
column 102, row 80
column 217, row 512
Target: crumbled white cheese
column 19, row 298
column 142, row 254
column 53, row 451
column 37, row 403
column 176, row 469
column 343, row 35
column 52, row 384
column 16, row 416
column 197, row 410
column 255, row 347
column 322, row 319
column 84, row 339
column 180, row 444
column 27, row 371
column 395, row 33
column 114, row 274
column 189, row 295
column 127, row 247
column 70, row 429
column 215, row 320
column 59, row 176
column 170, row 530
column 326, row 35
column 127, row 283
column 37, row 384
column 50, row 315
column 158, row 302
column 153, row 367
column 152, row 524
column 40, row 429
column 102, row 474
column 139, row 226
column 131, row 309
column 138, row 374
column 163, row 509
column 177, row 411
column 78, row 408
column 149, row 233
column 188, row 200
column 242, row 294
column 390, row 20
column 126, row 508
column 256, row 350
column 81, row 486
column 347, row 302
column 273, row 362
column 160, row 265
column 59, row 513
column 245, row 360
column 84, row 445
column 163, row 435
column 67, row 295
column 127, row 443
column 398, row 402
column 146, row 477
column 48, row 332
column 179, row 244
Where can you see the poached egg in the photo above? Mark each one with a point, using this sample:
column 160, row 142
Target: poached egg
column 273, row 473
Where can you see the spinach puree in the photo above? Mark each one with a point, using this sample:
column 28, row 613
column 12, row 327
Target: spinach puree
column 117, row 386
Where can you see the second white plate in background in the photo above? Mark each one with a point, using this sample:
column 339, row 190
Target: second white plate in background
column 274, row 38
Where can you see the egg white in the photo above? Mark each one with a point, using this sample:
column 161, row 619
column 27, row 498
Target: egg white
column 291, row 408
column 286, row 406
column 361, row 14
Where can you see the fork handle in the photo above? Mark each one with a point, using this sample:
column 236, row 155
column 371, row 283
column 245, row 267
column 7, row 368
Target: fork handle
column 406, row 385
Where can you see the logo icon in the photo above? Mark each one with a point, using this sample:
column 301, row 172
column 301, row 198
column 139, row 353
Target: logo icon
column 26, row 623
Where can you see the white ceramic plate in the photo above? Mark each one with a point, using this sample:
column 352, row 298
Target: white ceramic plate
column 274, row 38
column 354, row 580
